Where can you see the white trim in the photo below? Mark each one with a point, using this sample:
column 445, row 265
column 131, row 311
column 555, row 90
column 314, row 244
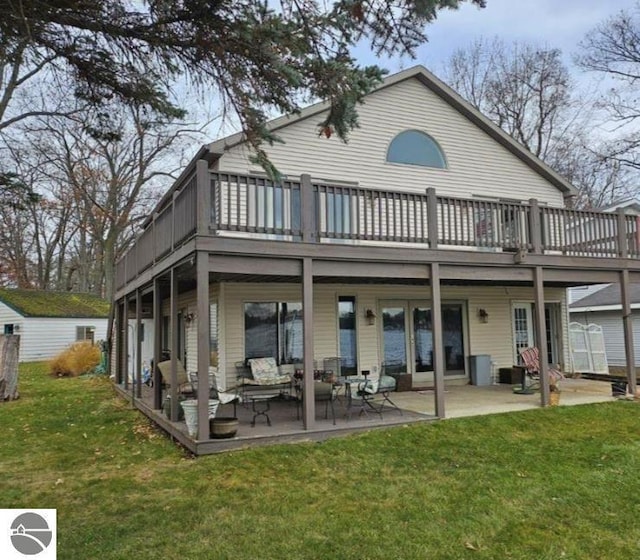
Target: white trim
column 594, row 308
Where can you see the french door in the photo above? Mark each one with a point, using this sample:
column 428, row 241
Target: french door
column 524, row 329
column 407, row 338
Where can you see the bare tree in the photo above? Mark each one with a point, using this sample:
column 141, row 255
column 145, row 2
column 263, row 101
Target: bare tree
column 612, row 50
column 110, row 181
column 522, row 88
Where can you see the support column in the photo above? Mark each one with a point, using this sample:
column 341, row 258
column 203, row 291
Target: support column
column 203, row 183
column 432, row 218
column 173, row 321
column 204, row 338
column 541, row 334
column 118, row 342
column 307, row 210
column 157, row 343
column 125, row 342
column 138, row 383
column 438, row 343
column 309, row 412
column 627, row 323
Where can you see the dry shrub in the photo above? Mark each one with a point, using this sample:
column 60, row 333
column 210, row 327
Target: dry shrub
column 79, row 358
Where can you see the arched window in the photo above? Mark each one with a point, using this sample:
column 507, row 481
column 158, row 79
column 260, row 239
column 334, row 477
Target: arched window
column 416, row 148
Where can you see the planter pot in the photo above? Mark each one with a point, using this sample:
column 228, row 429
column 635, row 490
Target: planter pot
column 403, row 381
column 166, row 408
column 618, row 388
column 554, row 398
column 190, row 408
column 222, row 428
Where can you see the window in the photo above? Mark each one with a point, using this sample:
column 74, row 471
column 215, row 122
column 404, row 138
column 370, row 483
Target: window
column 85, row 333
column 413, row 147
column 273, row 329
column 348, row 335
column 8, row 328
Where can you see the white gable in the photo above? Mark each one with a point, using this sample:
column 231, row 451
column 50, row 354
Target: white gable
column 477, row 164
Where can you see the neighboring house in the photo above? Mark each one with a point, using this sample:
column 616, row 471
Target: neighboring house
column 48, row 322
column 602, row 307
column 601, row 304
column 430, row 238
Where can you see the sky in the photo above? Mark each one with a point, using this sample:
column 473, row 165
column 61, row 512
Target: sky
column 548, row 23
column 551, row 23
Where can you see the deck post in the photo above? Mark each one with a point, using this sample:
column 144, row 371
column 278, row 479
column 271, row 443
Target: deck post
column 623, row 250
column 125, row 342
column 173, row 219
column 438, row 344
column 307, row 210
column 118, row 326
column 627, row 323
column 309, row 412
column 157, row 343
column 203, row 190
column 138, row 382
column 541, row 334
column 204, row 350
column 535, row 226
column 174, row 344
column 432, row 218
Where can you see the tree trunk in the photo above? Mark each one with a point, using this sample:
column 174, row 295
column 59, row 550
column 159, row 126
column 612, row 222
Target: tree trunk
column 9, row 353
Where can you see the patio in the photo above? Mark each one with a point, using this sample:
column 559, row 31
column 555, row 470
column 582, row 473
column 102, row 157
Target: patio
column 416, row 406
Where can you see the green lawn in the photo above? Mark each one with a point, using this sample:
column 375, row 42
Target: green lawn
column 554, row 483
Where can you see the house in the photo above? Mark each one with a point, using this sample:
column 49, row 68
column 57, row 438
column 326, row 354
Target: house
column 48, row 322
column 431, row 243
column 600, row 304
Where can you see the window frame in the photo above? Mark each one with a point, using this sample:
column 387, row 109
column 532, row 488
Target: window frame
column 281, row 314
column 436, row 144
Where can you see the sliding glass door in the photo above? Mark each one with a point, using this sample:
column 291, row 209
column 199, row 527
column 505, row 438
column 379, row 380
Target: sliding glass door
column 407, row 337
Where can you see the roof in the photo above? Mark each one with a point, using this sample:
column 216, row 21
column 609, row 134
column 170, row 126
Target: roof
column 38, row 303
column 630, row 205
column 448, row 95
column 608, row 297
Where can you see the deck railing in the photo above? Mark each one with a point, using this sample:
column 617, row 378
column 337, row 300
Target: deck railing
column 303, row 210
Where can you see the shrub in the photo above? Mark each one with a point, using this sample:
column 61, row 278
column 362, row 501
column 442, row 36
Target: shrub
column 79, row 358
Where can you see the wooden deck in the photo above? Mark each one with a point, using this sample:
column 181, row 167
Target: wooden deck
column 285, row 427
column 205, row 204
column 417, row 406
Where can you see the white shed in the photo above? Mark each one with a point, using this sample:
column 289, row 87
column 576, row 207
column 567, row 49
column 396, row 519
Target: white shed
column 48, row 322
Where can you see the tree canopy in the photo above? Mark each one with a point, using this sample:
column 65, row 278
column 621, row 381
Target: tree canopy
column 259, row 56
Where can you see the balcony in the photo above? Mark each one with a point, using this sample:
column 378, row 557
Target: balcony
column 302, row 210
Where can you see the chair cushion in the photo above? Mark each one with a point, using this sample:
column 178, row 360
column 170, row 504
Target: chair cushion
column 264, row 368
column 165, row 371
column 386, row 383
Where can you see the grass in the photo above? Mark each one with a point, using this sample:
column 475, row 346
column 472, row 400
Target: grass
column 543, row 484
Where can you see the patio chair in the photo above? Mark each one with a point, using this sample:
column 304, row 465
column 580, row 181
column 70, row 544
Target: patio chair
column 369, row 389
column 225, row 396
column 184, row 386
column 322, row 392
column 531, row 362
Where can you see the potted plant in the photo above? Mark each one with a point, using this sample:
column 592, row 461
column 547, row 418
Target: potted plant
column 554, row 387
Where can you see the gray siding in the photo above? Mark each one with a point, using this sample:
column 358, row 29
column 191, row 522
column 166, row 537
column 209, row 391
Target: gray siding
column 612, row 329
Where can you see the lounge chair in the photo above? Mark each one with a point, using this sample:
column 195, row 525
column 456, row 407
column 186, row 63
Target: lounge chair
column 531, row 361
